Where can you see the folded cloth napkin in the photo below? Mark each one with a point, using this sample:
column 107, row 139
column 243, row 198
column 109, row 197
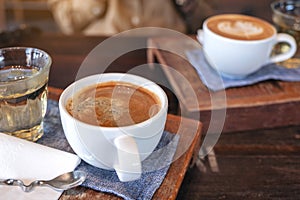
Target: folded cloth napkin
column 28, row 161
column 214, row 81
column 155, row 166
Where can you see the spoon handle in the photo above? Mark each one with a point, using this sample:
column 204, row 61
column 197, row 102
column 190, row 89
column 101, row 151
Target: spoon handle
column 11, row 182
column 16, row 182
column 60, row 183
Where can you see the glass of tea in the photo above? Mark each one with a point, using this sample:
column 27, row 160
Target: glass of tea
column 286, row 17
column 24, row 76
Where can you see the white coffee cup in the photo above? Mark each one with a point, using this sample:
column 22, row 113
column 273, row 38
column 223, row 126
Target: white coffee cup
column 114, row 148
column 237, row 45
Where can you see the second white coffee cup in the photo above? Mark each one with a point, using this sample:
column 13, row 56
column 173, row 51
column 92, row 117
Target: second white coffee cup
column 238, row 45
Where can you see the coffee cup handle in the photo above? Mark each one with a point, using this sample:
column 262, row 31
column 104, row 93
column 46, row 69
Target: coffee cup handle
column 282, row 37
column 128, row 165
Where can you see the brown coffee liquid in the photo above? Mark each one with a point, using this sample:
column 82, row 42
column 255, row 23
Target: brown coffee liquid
column 240, row 27
column 113, row 104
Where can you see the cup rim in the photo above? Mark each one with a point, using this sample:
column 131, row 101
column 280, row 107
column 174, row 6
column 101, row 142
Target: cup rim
column 63, row 98
column 240, row 40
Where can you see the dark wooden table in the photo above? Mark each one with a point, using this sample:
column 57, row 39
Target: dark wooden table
column 247, row 164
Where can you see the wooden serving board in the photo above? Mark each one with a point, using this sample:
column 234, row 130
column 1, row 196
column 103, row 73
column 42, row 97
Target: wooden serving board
column 264, row 105
column 172, row 182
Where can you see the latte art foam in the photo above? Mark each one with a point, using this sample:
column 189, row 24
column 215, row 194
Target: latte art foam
column 240, row 27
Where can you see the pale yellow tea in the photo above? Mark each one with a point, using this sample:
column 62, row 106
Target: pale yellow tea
column 22, row 106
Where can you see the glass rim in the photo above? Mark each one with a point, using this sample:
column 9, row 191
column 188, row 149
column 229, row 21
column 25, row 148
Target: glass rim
column 275, row 4
column 33, row 49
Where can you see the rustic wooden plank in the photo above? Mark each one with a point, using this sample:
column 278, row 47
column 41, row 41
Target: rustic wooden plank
column 245, row 177
column 252, row 165
column 254, row 118
column 279, row 141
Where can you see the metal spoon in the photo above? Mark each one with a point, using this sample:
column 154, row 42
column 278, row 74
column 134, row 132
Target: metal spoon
column 62, row 182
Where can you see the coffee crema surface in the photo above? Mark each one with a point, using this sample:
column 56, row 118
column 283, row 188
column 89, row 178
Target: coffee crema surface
column 113, row 104
column 240, row 27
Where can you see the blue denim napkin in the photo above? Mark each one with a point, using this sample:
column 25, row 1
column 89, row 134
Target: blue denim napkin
column 155, row 166
column 214, row 81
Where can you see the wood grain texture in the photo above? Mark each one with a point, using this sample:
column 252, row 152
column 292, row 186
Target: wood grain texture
column 259, row 165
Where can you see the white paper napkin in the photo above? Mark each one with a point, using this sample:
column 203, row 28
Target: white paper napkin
column 29, row 161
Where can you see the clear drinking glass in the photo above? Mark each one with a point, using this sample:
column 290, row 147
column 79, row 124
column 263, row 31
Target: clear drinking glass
column 24, row 73
column 286, row 18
